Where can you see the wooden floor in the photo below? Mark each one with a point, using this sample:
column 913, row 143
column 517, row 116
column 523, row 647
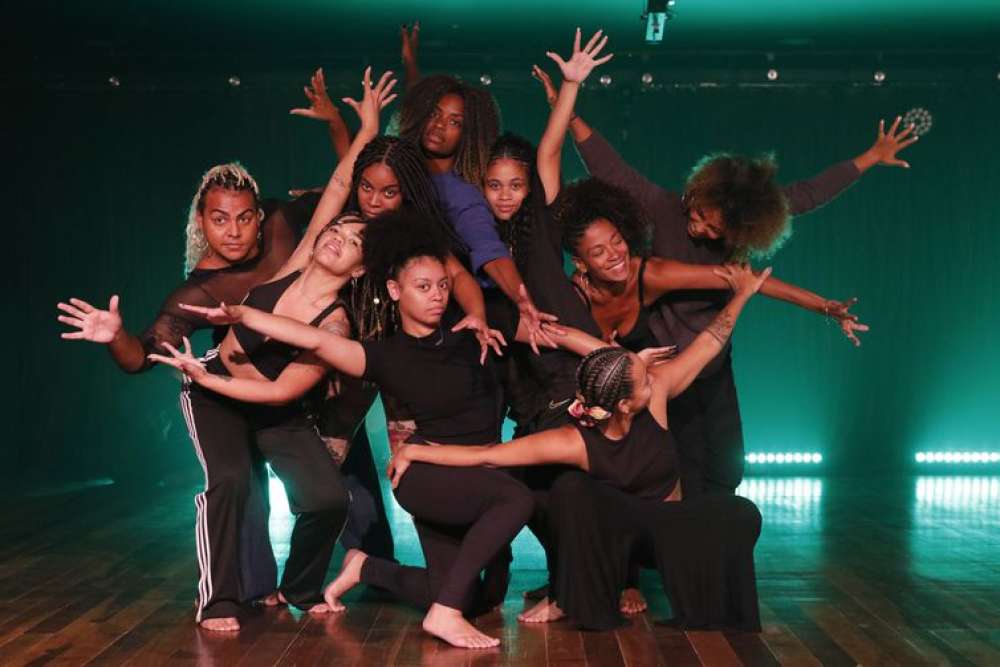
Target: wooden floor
column 852, row 571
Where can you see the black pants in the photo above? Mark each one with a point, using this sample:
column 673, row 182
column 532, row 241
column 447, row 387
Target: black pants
column 224, row 433
column 465, row 519
column 258, row 568
column 367, row 524
column 703, row 550
column 705, row 420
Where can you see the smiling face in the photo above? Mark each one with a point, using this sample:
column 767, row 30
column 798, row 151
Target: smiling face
column 378, row 190
column 443, row 130
column 230, row 221
column 421, row 289
column 339, row 249
column 506, row 186
column 603, row 253
column 705, row 222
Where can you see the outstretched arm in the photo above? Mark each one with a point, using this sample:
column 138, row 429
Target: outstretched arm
column 103, row 326
column 343, row 354
column 574, row 72
column 338, row 189
column 322, row 108
column 561, row 445
column 410, row 43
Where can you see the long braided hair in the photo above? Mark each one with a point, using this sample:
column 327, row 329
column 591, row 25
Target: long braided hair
column 517, row 232
column 480, row 125
column 231, row 176
column 603, row 378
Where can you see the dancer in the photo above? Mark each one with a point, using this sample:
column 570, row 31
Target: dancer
column 622, row 441
column 731, row 208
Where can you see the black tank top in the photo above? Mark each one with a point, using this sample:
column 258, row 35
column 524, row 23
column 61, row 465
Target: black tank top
column 269, row 357
column 640, row 336
column 643, row 463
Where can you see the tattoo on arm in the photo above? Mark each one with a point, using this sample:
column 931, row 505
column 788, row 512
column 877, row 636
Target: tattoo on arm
column 722, row 326
column 339, row 328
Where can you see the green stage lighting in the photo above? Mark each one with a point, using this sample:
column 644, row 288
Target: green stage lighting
column 784, row 458
column 957, row 457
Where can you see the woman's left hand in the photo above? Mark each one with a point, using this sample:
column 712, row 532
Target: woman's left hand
column 184, row 361
column 840, row 311
column 373, row 100
column 398, row 464
column 534, row 320
column 220, row 315
column 887, row 144
column 488, row 338
column 584, row 60
column 320, row 106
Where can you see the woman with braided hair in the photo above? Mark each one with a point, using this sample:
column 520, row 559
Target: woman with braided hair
column 620, row 508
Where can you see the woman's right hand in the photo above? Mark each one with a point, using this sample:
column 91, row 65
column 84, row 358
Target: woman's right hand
column 220, row 315
column 95, row 325
column 399, row 463
column 184, row 361
column 373, row 100
column 583, row 61
column 550, row 90
column 741, row 278
column 410, row 43
column 320, row 105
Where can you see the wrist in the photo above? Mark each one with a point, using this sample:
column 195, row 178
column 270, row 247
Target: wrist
column 866, row 160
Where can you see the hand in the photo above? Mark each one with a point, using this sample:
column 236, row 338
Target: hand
column 840, row 311
column 97, row 326
column 487, row 337
column 295, row 193
column 220, row 315
column 741, row 278
column 546, row 81
column 652, row 356
column 582, row 61
column 399, row 463
column 184, row 361
column 534, row 320
column 399, row 431
column 320, row 105
column 373, row 99
column 887, row 144
column 411, row 40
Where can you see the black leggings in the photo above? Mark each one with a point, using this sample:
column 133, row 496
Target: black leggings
column 466, row 519
column 224, row 433
column 706, row 423
column 703, row 550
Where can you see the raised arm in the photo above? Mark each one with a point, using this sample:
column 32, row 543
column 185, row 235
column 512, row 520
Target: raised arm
column 673, row 377
column 560, row 445
column 410, row 42
column 343, row 354
column 338, row 189
column 322, row 108
column 574, row 72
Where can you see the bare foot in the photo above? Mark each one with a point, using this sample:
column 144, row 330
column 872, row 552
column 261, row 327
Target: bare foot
column 449, row 625
column 274, row 599
column 321, row 608
column 223, row 624
column 632, row 601
column 349, row 577
column 545, row 611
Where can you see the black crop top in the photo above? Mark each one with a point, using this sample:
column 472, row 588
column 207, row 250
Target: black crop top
column 269, row 357
column 643, row 463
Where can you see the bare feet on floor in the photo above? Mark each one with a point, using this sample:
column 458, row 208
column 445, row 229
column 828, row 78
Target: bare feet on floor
column 545, row 611
column 349, row 577
column 277, row 598
column 632, row 602
column 449, row 625
column 223, row 624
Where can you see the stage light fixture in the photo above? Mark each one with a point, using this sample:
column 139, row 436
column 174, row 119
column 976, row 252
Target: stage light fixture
column 957, row 457
column 920, row 119
column 114, row 81
column 486, row 79
column 772, row 74
column 647, row 79
column 606, row 80
column 234, row 81
column 879, row 76
column 784, row 458
column 657, row 13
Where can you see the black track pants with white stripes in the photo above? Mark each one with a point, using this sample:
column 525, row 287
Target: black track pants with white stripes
column 224, row 433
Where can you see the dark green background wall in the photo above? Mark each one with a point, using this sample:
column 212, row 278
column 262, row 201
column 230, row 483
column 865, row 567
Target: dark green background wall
column 100, row 178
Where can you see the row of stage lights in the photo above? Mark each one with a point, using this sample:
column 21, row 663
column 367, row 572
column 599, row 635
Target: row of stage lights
column 957, row 457
column 810, row 458
column 605, row 80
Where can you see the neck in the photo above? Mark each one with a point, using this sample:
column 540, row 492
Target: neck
column 316, row 284
column 440, row 165
column 416, row 328
column 212, row 260
column 618, row 426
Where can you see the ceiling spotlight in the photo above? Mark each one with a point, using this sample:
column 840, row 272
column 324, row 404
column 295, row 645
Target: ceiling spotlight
column 772, row 74
column 879, row 76
column 605, row 80
column 234, row 81
column 486, row 79
column 114, row 81
column 657, row 13
column 647, row 79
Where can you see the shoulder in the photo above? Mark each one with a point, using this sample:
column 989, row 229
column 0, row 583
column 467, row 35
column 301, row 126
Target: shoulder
column 338, row 322
column 455, row 190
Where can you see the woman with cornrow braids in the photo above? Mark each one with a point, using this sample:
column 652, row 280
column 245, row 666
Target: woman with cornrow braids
column 622, row 505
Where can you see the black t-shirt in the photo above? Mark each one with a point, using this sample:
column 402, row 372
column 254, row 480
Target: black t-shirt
column 438, row 381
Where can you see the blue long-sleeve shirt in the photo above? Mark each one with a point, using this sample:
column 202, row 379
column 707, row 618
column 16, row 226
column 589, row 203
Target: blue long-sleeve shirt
column 469, row 214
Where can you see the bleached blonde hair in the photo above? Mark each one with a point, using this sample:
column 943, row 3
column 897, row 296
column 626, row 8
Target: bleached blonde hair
column 230, row 176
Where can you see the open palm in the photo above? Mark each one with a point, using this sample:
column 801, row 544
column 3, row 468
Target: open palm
column 584, row 60
column 93, row 324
